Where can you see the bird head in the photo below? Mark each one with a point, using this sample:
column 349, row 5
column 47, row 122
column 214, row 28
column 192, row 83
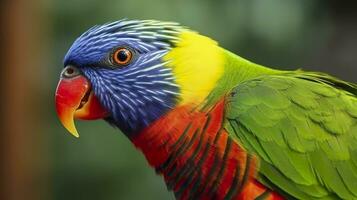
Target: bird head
column 131, row 72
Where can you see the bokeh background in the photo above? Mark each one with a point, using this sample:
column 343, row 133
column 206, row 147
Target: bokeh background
column 40, row 160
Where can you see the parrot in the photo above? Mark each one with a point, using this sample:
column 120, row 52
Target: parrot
column 214, row 125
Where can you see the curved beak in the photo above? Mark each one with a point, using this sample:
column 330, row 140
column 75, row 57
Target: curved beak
column 75, row 99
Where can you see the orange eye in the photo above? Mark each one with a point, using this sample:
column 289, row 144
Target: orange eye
column 122, row 56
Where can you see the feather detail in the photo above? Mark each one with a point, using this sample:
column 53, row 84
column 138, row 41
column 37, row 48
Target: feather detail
column 197, row 157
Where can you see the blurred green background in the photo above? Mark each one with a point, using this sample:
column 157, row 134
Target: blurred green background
column 40, row 160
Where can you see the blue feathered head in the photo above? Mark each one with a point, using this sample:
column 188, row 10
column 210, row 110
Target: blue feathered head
column 126, row 69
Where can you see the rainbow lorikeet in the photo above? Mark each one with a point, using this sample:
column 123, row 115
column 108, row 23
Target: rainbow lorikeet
column 214, row 125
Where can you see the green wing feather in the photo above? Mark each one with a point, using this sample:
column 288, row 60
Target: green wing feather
column 303, row 127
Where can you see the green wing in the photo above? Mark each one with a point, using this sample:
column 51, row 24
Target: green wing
column 303, row 127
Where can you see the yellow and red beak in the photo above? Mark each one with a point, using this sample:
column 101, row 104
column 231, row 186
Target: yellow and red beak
column 75, row 99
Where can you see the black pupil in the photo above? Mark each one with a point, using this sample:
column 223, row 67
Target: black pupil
column 69, row 71
column 122, row 55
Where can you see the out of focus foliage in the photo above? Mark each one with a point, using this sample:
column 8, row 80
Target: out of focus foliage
column 102, row 163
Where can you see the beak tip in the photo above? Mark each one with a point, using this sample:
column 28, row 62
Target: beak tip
column 76, row 135
column 73, row 131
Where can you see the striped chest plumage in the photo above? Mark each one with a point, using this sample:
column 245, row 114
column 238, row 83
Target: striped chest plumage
column 197, row 158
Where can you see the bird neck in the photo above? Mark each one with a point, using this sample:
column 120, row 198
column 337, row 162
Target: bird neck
column 197, row 63
column 205, row 71
column 196, row 156
column 236, row 70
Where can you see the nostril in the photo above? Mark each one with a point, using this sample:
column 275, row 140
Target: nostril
column 70, row 72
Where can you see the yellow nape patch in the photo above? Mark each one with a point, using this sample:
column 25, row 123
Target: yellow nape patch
column 197, row 63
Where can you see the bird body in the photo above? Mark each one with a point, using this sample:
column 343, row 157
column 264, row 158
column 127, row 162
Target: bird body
column 215, row 125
